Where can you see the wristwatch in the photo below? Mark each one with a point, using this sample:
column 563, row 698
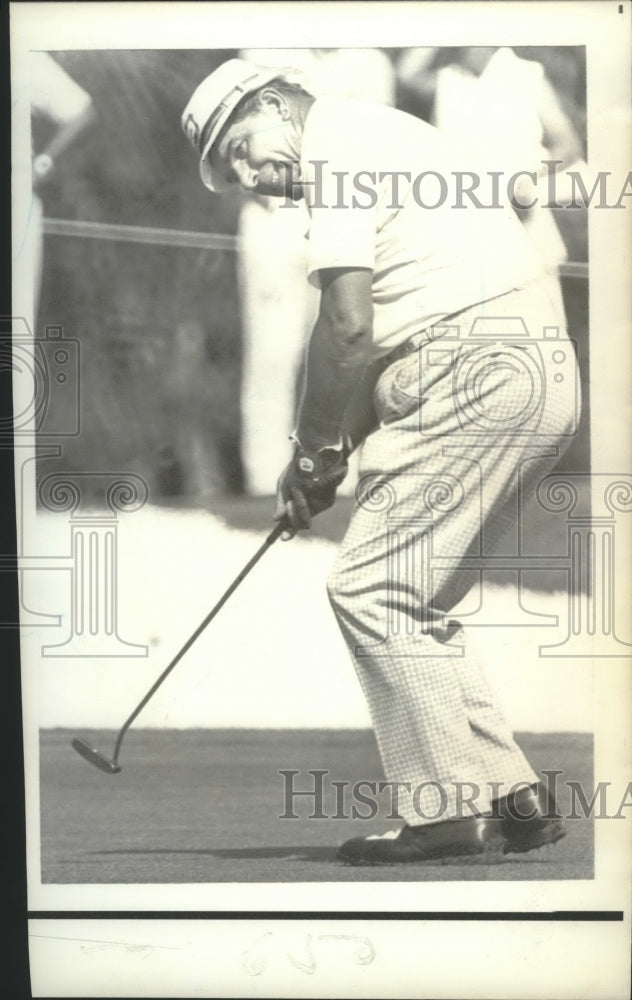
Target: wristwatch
column 340, row 445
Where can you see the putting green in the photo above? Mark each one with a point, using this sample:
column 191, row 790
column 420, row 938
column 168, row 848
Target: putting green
column 204, row 806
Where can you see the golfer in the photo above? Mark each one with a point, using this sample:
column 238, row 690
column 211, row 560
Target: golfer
column 436, row 352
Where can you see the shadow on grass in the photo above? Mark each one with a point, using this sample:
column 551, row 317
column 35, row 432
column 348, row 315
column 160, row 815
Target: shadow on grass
column 320, row 854
column 303, row 853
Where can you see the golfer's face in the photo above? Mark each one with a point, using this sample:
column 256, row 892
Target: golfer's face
column 260, row 153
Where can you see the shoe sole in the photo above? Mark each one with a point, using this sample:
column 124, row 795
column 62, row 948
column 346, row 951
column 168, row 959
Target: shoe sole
column 549, row 834
column 415, row 860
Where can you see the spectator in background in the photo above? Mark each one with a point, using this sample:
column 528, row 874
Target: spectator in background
column 56, row 97
column 66, row 110
column 506, row 110
column 278, row 307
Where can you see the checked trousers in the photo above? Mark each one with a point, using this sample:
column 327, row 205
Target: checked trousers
column 468, row 424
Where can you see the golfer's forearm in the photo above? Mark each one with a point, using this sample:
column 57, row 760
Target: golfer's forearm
column 360, row 417
column 337, row 360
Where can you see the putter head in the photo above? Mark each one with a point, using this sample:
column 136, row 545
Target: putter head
column 94, row 757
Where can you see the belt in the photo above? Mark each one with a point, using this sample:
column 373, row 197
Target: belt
column 418, row 340
column 425, row 336
column 414, row 343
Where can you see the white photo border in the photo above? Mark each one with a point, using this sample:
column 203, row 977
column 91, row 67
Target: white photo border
column 606, row 35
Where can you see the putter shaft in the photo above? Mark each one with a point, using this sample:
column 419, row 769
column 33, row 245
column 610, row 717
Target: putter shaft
column 112, row 767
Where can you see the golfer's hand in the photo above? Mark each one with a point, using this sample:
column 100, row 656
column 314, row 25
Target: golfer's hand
column 308, row 486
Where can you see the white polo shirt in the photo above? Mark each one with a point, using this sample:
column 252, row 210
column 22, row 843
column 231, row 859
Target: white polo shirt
column 427, row 262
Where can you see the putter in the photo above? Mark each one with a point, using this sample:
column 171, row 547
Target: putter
column 112, row 766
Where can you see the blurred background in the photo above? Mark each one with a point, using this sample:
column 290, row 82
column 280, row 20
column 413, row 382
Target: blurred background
column 163, row 329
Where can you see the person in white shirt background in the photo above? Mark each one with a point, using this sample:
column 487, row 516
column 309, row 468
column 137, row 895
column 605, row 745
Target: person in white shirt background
column 505, row 108
column 65, row 110
column 58, row 99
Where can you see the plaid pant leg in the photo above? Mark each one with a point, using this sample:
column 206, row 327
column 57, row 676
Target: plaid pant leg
column 431, row 491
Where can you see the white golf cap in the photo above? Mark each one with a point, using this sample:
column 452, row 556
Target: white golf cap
column 216, row 98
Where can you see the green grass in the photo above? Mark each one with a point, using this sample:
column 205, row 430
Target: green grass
column 204, row 806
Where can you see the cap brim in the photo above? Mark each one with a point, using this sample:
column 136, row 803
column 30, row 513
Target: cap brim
column 212, row 179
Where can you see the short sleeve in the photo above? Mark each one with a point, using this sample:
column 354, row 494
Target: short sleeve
column 343, row 220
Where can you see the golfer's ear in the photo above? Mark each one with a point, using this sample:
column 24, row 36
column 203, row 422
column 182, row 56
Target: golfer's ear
column 271, row 98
